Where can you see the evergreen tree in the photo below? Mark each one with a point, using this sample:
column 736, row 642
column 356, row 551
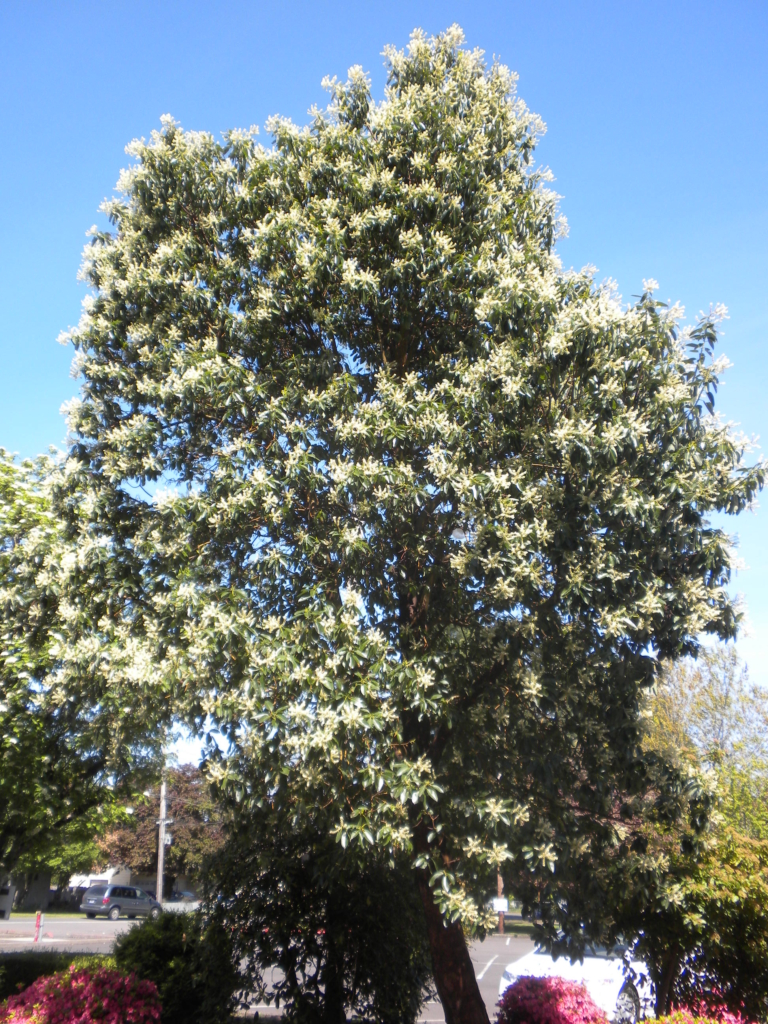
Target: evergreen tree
column 397, row 504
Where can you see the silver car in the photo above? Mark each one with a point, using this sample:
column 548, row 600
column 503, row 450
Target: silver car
column 114, row 901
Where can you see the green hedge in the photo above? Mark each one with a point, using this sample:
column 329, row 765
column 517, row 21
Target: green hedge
column 17, row 970
column 191, row 963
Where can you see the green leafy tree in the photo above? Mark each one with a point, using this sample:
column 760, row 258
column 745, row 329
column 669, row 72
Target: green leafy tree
column 389, row 498
column 723, row 903
column 71, row 849
column 706, row 712
column 63, row 754
column 700, row 908
column 345, row 932
column 697, row 898
column 197, row 828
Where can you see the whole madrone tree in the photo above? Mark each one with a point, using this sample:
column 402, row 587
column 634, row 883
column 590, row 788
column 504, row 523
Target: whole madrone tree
column 424, row 508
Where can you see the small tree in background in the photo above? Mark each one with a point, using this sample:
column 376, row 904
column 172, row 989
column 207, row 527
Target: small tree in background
column 699, row 899
column 197, row 828
column 706, row 712
column 73, row 849
column 700, row 910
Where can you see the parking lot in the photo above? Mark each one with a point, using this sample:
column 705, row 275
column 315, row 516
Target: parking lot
column 490, row 957
column 70, row 933
column 77, row 934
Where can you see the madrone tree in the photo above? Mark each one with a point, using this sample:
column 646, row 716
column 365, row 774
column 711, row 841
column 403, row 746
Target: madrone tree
column 402, row 508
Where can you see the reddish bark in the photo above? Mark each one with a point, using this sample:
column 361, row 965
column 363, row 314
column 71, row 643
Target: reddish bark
column 669, row 969
column 453, row 971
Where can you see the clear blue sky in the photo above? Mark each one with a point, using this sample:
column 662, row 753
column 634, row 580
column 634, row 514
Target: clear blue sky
column 657, row 117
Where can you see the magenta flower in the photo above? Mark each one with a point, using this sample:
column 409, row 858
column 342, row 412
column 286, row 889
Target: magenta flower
column 548, row 1001
column 84, row 997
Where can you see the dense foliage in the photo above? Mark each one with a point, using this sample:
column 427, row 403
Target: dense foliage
column 702, row 915
column 699, row 900
column 701, row 1015
column 84, row 997
column 548, row 1001
column 65, row 743
column 346, row 935
column 707, row 713
column 396, row 504
column 190, row 962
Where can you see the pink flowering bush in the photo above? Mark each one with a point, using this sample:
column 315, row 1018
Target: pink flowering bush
column 703, row 1015
column 548, row 1001
column 84, row 997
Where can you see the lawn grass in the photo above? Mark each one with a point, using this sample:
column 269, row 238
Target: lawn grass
column 30, row 915
column 517, row 926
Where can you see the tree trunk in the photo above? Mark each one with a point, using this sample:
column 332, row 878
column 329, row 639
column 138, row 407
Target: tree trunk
column 334, row 1009
column 669, row 970
column 451, row 965
column 333, row 996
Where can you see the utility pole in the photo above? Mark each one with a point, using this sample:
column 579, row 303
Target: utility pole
column 161, row 841
column 500, row 895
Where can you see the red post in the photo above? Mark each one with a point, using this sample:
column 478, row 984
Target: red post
column 38, row 924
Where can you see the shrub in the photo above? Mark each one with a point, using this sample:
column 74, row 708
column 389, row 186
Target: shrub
column 337, row 936
column 84, row 997
column 548, row 1001
column 17, row 970
column 190, row 962
column 703, row 1015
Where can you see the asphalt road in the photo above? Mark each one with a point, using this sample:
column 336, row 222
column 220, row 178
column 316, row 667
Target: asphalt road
column 490, row 957
column 59, row 932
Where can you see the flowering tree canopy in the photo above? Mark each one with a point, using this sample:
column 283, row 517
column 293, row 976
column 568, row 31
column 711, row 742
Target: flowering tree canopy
column 402, row 508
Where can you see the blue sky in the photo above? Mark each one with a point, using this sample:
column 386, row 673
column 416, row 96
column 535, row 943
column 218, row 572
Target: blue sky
column 657, row 117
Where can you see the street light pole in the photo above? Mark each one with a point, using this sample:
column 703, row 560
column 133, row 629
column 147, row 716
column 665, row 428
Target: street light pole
column 500, row 892
column 161, row 842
